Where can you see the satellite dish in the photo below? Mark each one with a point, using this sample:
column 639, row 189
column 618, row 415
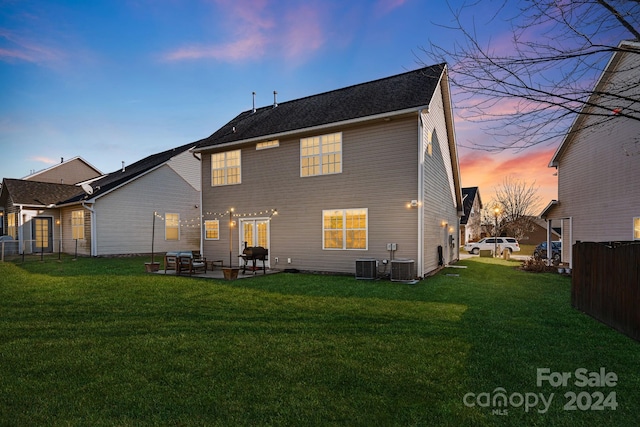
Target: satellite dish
column 87, row 189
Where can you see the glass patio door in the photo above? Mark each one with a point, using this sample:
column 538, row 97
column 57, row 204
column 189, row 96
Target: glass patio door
column 255, row 232
column 42, row 232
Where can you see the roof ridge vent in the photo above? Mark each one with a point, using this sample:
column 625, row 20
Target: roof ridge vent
column 275, row 101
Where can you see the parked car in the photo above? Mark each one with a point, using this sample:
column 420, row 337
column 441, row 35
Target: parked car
column 490, row 242
column 540, row 252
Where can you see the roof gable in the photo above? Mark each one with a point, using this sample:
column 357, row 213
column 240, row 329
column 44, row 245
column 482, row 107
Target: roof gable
column 72, row 171
column 624, row 48
column 469, row 195
column 411, row 90
column 119, row 177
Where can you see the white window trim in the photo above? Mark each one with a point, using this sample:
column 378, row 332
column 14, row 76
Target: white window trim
column 320, row 173
column 166, row 226
column 226, row 168
column 75, row 226
column 217, row 222
column 267, row 144
column 344, row 230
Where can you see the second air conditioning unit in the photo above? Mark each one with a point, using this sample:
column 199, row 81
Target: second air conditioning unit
column 366, row 268
column 402, row 270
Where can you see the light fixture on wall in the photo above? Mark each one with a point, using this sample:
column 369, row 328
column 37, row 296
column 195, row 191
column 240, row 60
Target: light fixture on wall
column 57, row 221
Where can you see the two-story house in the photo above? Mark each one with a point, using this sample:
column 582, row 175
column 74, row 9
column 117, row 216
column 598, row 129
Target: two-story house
column 598, row 162
column 364, row 172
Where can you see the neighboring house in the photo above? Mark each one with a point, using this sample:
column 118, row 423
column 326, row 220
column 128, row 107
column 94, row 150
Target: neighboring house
column 471, row 221
column 538, row 232
column 71, row 171
column 598, row 161
column 30, row 212
column 353, row 174
column 114, row 214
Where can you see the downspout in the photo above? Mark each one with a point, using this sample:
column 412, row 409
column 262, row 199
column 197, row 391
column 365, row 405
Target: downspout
column 420, row 252
column 201, row 215
column 94, row 234
column 20, row 234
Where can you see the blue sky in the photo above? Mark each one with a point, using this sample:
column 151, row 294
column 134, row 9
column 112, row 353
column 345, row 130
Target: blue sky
column 114, row 81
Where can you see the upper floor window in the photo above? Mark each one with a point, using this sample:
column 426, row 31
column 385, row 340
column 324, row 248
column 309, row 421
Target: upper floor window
column 212, row 229
column 344, row 229
column 226, row 168
column 77, row 224
column 321, row 155
column 172, row 226
column 267, row 144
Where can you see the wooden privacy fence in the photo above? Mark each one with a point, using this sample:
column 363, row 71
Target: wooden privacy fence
column 606, row 283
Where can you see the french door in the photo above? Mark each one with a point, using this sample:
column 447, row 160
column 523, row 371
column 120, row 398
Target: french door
column 255, row 232
column 42, row 232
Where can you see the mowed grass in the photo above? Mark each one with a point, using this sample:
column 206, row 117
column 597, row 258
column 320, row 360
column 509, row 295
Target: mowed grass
column 99, row 342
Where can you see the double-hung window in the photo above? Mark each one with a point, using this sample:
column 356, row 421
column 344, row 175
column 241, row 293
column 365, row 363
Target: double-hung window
column 212, row 229
column 77, row 224
column 344, row 229
column 226, row 168
column 172, row 226
column 321, row 155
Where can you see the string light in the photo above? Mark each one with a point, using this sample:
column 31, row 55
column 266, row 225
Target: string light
column 197, row 221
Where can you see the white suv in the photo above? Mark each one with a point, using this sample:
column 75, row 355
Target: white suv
column 490, row 242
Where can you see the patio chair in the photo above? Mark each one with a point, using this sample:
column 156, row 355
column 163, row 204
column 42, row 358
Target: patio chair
column 170, row 263
column 191, row 266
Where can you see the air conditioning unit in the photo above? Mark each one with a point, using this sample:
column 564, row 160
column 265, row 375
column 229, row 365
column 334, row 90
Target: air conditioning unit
column 402, row 270
column 366, row 268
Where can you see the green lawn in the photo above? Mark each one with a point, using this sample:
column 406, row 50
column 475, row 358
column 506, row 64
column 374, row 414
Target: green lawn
column 99, row 342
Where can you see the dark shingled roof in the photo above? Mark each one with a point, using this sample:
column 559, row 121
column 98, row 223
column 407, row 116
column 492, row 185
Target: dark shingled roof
column 470, row 193
column 35, row 193
column 114, row 179
column 413, row 89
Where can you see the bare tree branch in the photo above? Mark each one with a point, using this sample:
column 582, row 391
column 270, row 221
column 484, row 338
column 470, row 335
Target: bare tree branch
column 530, row 92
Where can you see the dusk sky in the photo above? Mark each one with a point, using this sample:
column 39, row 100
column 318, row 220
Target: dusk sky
column 114, row 81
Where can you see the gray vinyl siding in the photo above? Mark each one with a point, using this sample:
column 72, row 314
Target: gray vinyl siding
column 187, row 166
column 71, row 172
column 599, row 172
column 438, row 189
column 68, row 243
column 124, row 217
column 379, row 173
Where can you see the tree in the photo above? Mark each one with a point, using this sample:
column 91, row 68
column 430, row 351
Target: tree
column 530, row 92
column 518, row 203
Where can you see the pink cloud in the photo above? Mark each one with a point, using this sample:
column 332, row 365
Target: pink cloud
column 23, row 49
column 45, row 160
column 304, row 32
column 383, row 7
column 256, row 29
column 254, row 45
column 487, row 171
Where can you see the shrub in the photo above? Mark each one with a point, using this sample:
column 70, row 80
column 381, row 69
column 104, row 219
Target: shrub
column 537, row 266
